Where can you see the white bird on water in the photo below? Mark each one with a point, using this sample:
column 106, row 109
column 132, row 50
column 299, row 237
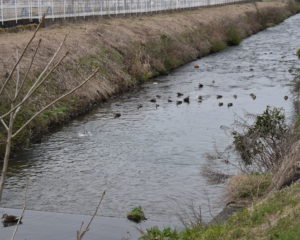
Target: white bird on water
column 85, row 133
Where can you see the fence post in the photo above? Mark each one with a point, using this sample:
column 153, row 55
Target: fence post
column 64, row 9
column 108, row 8
column 130, row 7
column 28, row 7
column 39, row 10
column 30, row 10
column 124, row 6
column 16, row 13
column 101, row 7
column 52, row 10
column 93, row 3
column 76, row 9
column 2, row 12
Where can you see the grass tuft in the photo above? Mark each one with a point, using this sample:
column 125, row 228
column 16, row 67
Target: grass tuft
column 217, row 46
column 136, row 215
column 233, row 36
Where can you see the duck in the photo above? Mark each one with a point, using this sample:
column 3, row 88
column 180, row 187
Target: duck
column 235, row 96
column 186, row 99
column 219, row 96
column 117, row 115
column 179, row 94
column 196, row 66
column 253, row 96
column 153, row 100
column 6, row 219
column 200, row 85
column 220, row 104
column 178, row 102
column 229, row 104
column 139, row 106
column 158, row 96
column 286, row 98
column 170, row 100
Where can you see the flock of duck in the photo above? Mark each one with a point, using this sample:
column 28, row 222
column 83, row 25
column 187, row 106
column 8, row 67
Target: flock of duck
column 181, row 99
column 186, row 99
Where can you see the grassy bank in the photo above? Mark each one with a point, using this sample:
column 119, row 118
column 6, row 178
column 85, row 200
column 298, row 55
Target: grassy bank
column 128, row 51
column 277, row 216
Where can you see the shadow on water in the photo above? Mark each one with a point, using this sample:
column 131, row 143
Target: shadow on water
column 153, row 155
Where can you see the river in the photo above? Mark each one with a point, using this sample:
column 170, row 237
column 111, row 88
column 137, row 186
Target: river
column 155, row 156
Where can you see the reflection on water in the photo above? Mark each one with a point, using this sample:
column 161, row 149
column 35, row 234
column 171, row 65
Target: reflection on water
column 153, row 156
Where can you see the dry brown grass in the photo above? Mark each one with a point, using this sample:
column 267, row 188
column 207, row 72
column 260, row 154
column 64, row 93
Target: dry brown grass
column 245, row 188
column 289, row 171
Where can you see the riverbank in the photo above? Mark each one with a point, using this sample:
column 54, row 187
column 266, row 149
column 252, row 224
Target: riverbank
column 129, row 51
column 274, row 217
column 274, row 214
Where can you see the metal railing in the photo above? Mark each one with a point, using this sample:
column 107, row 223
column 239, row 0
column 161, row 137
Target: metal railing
column 15, row 10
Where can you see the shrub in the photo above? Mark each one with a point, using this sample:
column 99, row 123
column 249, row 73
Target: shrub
column 233, row 36
column 218, row 45
column 136, row 215
column 262, row 145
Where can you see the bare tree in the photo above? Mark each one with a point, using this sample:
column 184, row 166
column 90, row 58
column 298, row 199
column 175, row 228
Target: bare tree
column 19, row 90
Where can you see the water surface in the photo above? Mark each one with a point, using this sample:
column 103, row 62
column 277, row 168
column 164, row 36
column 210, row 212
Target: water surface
column 154, row 156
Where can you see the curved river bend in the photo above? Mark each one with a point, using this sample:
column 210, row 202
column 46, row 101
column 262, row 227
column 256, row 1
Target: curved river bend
column 155, row 157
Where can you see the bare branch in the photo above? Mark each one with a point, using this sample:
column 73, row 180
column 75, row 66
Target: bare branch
column 32, row 89
column 18, row 75
column 22, row 54
column 38, row 81
column 4, row 124
column 28, row 70
column 81, row 233
column 53, row 102
column 23, row 211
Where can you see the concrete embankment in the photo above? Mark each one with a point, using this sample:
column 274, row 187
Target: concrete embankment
column 52, row 226
column 128, row 52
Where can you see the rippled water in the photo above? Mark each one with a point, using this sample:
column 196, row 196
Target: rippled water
column 155, row 157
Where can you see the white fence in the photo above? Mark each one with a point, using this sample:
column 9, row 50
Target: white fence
column 14, row 10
